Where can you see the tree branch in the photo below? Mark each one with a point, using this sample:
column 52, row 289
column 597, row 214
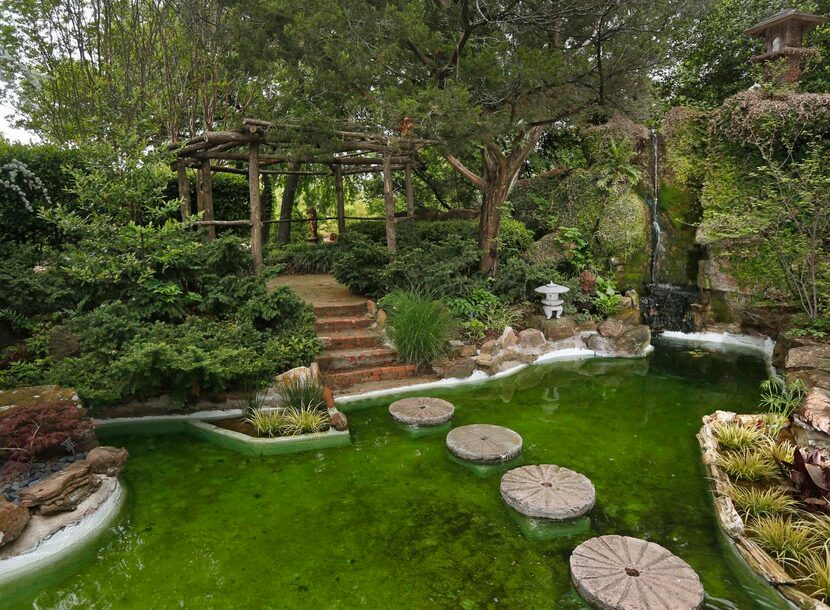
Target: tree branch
column 467, row 173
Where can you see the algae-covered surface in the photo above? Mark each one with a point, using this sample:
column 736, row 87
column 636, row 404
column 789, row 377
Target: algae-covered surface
column 392, row 522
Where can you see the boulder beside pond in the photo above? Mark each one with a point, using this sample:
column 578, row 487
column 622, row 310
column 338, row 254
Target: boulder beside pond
column 65, row 489
column 13, row 520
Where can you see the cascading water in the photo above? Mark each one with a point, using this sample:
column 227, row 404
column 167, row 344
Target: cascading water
column 654, row 206
column 666, row 306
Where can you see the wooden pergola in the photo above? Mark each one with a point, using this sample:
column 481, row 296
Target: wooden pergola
column 274, row 149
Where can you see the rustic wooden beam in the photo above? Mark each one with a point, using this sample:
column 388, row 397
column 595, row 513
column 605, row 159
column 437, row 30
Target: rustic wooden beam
column 346, row 134
column 410, row 191
column 205, row 188
column 272, row 159
column 256, row 210
column 389, row 201
column 223, row 223
column 341, row 202
column 184, row 189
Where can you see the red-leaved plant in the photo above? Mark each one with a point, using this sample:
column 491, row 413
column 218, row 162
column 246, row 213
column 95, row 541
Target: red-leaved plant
column 31, row 432
column 810, row 476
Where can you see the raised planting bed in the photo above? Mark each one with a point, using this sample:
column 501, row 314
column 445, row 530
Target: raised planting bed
column 781, row 572
column 237, row 435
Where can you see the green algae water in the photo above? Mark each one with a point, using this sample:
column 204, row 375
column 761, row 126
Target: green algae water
column 393, row 522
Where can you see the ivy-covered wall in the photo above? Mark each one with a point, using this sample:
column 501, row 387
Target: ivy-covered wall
column 756, row 169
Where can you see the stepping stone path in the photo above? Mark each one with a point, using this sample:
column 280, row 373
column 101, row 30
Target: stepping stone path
column 623, row 573
column 422, row 411
column 484, row 443
column 548, row 491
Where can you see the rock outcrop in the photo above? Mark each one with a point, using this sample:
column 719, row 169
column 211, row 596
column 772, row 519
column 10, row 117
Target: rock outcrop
column 106, row 460
column 812, row 420
column 67, row 488
column 13, row 520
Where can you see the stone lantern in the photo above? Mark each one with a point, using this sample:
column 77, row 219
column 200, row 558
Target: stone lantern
column 783, row 35
column 551, row 299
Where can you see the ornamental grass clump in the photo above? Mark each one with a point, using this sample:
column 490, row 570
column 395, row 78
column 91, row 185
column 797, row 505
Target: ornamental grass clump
column 820, row 527
column 304, row 420
column 817, row 569
column 748, row 465
column 787, row 540
column 300, row 392
column 419, row 326
column 266, row 423
column 736, row 436
column 780, row 452
column 759, row 503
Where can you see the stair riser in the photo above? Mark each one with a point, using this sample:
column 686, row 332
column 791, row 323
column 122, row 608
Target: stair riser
column 329, row 363
column 345, row 379
column 340, row 311
column 326, row 326
column 350, row 342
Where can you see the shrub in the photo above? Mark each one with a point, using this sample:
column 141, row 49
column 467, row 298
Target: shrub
column 308, row 258
column 28, row 433
column 785, row 539
column 762, row 502
column 479, row 313
column 746, row 465
column 360, row 264
column 419, row 327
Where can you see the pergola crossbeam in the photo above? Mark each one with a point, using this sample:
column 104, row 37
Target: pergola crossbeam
column 263, row 144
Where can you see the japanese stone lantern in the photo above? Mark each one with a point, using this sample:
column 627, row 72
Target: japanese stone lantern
column 551, row 299
column 783, row 35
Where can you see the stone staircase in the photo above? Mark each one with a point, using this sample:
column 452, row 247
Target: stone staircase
column 354, row 352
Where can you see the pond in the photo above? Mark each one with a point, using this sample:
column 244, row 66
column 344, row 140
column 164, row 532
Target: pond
column 393, row 522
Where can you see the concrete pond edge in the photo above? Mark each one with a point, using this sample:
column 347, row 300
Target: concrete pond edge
column 248, row 445
column 731, row 524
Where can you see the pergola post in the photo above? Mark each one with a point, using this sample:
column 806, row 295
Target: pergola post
column 204, row 195
column 184, row 188
column 341, row 203
column 389, row 200
column 256, row 211
column 410, row 193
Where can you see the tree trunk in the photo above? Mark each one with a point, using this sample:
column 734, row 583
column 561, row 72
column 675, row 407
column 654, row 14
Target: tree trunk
column 267, row 206
column 287, row 205
column 341, row 201
column 256, row 210
column 410, row 192
column 389, row 200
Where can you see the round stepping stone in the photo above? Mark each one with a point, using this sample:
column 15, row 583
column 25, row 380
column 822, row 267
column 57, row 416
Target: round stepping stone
column 484, row 443
column 622, row 573
column 548, row 491
column 422, row 411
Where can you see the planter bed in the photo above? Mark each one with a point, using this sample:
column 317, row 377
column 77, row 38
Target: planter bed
column 732, row 524
column 250, row 445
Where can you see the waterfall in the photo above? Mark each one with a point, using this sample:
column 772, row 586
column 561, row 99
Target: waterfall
column 654, row 206
column 666, row 306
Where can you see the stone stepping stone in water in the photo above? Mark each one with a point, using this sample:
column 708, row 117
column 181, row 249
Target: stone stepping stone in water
column 623, row 573
column 484, row 443
column 422, row 411
column 547, row 491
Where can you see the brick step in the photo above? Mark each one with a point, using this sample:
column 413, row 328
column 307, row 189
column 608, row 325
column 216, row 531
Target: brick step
column 344, row 379
column 350, row 339
column 329, row 325
column 351, row 359
column 340, row 311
